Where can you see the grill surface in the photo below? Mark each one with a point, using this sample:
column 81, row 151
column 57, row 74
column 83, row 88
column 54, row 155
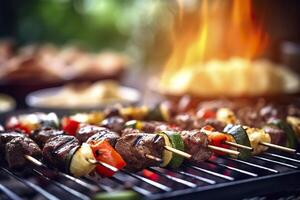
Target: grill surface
column 220, row 177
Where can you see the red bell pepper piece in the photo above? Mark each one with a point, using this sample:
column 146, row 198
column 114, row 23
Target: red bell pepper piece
column 218, row 139
column 104, row 152
column 15, row 124
column 70, row 126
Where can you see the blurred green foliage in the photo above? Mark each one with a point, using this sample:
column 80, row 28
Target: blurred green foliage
column 93, row 24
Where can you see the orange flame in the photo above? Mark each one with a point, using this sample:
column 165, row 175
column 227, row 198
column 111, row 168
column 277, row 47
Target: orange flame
column 218, row 30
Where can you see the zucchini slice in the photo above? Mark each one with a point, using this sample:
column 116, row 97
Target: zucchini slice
column 291, row 140
column 79, row 165
column 177, row 143
column 117, row 195
column 167, row 155
column 240, row 136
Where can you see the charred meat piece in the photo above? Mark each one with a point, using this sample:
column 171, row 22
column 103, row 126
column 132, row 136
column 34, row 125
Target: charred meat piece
column 277, row 135
column 5, row 137
column 86, row 131
column 134, row 147
column 112, row 111
column 41, row 136
column 185, row 121
column 105, row 134
column 17, row 148
column 195, row 143
column 58, row 150
column 127, row 131
column 114, row 123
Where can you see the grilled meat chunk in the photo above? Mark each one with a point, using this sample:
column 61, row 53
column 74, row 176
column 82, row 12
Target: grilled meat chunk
column 114, row 123
column 41, row 136
column 86, row 131
column 277, row 135
column 134, row 148
column 58, row 149
column 104, row 134
column 127, row 131
column 5, row 137
column 195, row 143
column 185, row 121
column 17, row 148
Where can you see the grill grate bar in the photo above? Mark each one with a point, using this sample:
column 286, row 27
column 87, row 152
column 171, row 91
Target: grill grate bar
column 38, row 163
column 64, row 187
column 252, row 165
column 31, row 185
column 175, row 179
column 229, row 178
column 104, row 187
column 79, row 182
column 150, row 182
column 233, row 168
column 134, row 188
column 206, row 180
column 282, row 157
column 10, row 194
column 275, row 161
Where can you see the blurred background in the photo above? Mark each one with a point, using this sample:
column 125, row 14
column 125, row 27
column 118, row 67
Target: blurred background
column 41, row 39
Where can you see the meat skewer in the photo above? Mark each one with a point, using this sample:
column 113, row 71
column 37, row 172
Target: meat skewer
column 227, row 115
column 17, row 145
column 154, row 126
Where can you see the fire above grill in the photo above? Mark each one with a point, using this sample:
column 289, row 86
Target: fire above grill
column 219, row 177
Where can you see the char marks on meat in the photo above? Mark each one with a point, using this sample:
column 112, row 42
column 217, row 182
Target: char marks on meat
column 127, row 131
column 104, row 134
column 57, row 150
column 195, row 143
column 86, row 131
column 17, row 148
column 134, row 148
column 41, row 136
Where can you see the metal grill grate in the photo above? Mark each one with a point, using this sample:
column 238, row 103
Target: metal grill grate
column 220, row 177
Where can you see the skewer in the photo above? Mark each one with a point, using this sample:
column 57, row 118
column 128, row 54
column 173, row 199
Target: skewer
column 228, row 151
column 238, row 145
column 94, row 162
column 108, row 166
column 67, row 176
column 176, row 151
column 188, row 156
column 154, row 158
column 278, row 147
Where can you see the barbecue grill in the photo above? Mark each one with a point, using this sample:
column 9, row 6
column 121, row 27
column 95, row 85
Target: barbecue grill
column 273, row 173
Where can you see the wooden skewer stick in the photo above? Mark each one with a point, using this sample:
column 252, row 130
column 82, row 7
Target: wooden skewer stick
column 34, row 161
column 238, row 145
column 108, row 166
column 275, row 146
column 154, row 158
column 176, row 151
column 92, row 161
column 228, row 151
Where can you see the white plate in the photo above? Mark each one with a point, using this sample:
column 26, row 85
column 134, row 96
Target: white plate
column 130, row 96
